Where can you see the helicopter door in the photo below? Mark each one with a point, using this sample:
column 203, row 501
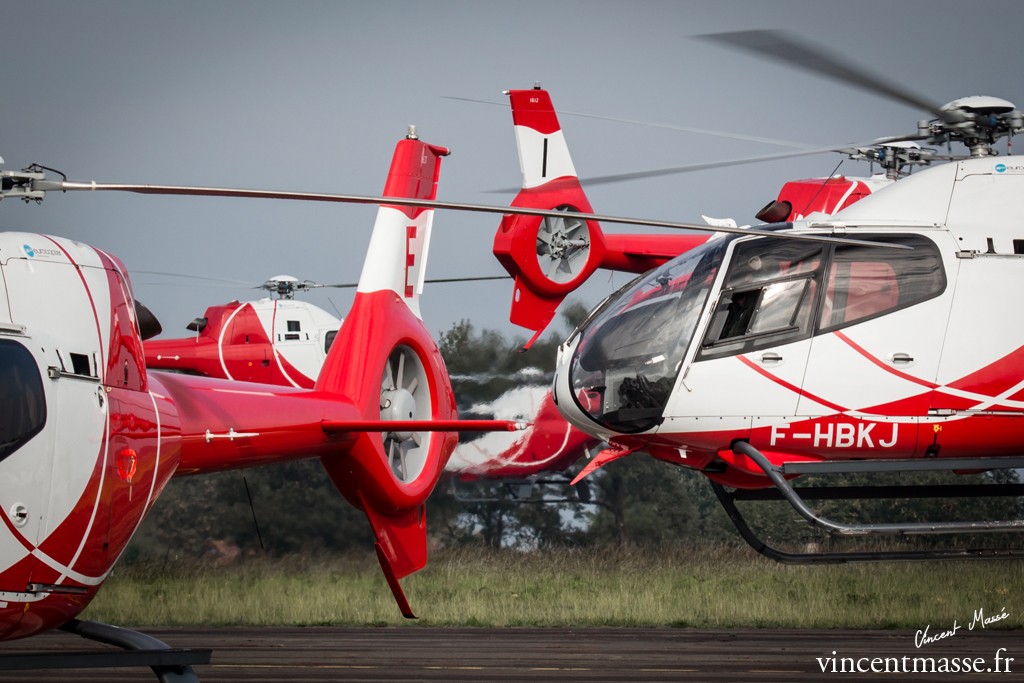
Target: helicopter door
column 880, row 331
column 752, row 357
column 44, row 481
column 25, row 453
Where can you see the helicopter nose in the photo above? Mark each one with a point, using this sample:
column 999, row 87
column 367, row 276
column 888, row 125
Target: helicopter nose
column 562, row 389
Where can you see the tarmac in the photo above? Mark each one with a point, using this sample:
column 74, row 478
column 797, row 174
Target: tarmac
column 298, row 655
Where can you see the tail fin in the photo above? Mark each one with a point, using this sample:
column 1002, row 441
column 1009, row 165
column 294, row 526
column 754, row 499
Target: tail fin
column 549, row 258
column 385, row 361
column 396, row 259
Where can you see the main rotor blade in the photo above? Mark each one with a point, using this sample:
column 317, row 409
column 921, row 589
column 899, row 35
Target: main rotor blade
column 667, row 126
column 846, row 148
column 313, row 285
column 795, row 52
column 428, row 281
column 189, row 276
column 432, row 204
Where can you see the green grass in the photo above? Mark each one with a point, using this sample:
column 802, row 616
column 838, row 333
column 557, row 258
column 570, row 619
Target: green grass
column 709, row 587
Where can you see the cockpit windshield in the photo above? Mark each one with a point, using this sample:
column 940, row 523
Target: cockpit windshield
column 630, row 352
column 22, row 404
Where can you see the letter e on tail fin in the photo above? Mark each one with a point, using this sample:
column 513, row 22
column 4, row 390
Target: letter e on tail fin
column 396, row 259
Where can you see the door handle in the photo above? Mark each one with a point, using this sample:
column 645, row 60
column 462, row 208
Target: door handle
column 902, row 358
column 770, row 358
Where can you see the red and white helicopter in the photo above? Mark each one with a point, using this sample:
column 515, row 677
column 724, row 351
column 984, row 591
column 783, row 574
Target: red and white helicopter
column 89, row 437
column 272, row 340
column 871, row 337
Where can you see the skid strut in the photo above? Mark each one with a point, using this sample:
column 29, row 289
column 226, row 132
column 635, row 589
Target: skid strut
column 795, row 497
column 171, row 665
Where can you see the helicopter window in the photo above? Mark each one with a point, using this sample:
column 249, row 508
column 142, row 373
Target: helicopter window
column 865, row 282
column 767, row 299
column 631, row 350
column 781, row 306
column 329, row 339
column 22, row 403
column 80, row 364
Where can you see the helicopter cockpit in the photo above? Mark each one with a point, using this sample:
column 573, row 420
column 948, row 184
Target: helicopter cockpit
column 630, row 352
column 631, row 349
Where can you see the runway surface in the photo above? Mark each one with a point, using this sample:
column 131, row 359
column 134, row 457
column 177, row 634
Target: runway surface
column 297, row 655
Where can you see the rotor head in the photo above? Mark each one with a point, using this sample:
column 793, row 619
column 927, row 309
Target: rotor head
column 284, row 286
column 977, row 121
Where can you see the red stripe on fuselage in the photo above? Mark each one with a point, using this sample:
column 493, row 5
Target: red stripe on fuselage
column 792, row 387
column 880, row 363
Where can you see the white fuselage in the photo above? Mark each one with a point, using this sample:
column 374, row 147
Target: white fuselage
column 880, row 355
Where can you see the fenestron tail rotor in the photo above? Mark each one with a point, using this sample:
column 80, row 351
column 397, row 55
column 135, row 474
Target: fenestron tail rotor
column 563, row 244
column 405, row 395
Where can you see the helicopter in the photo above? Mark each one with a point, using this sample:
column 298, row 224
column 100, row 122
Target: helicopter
column 846, row 340
column 89, row 436
column 279, row 340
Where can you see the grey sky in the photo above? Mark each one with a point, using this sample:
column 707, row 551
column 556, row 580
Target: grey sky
column 313, row 95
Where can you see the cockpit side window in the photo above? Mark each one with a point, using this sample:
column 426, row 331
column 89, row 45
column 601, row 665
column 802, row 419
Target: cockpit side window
column 865, row 282
column 767, row 298
column 22, row 403
column 771, row 289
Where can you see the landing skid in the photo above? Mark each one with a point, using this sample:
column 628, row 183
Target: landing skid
column 171, row 665
column 796, row 498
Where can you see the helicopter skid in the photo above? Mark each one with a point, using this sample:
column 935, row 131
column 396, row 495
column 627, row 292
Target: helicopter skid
column 796, row 498
column 170, row 665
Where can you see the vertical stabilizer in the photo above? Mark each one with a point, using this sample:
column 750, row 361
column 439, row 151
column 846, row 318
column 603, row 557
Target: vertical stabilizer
column 551, row 257
column 386, row 362
column 548, row 257
column 396, row 259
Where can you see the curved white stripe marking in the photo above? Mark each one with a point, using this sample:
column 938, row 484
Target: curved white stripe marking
column 220, row 340
column 512, row 462
column 67, row 571
column 99, row 494
column 152, row 483
column 849, row 191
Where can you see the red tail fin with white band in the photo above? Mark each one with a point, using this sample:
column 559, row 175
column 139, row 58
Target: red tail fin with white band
column 385, row 358
column 551, row 257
